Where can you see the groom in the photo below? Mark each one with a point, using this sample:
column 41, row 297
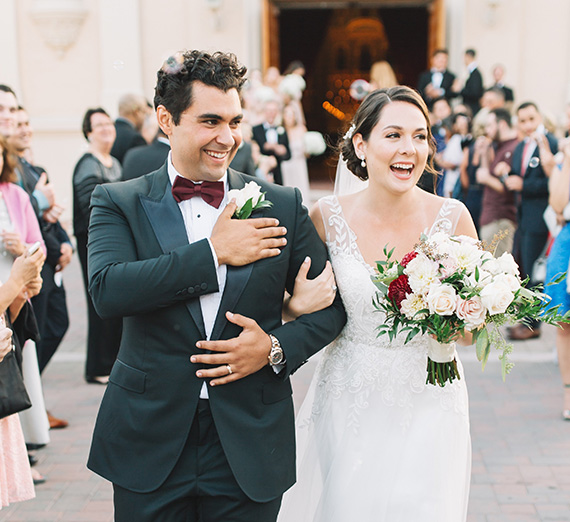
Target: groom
column 197, row 420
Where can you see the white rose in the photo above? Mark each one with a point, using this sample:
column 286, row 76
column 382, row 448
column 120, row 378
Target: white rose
column 471, row 311
column 508, row 264
column 441, row 299
column 251, row 191
column 510, row 280
column 422, row 273
column 496, row 297
column 411, row 305
column 492, row 266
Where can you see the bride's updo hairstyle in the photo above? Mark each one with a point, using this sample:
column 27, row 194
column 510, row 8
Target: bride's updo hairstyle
column 368, row 115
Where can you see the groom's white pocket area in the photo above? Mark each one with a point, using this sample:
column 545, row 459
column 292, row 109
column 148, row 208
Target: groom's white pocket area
column 128, row 377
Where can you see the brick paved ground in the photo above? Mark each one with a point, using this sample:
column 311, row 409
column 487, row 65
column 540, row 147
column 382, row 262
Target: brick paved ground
column 521, row 447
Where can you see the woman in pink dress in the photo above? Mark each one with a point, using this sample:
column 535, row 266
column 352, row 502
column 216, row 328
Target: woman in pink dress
column 23, row 282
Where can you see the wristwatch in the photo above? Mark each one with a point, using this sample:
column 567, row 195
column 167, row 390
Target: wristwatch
column 276, row 354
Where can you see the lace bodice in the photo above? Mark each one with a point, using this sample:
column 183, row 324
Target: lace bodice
column 359, row 361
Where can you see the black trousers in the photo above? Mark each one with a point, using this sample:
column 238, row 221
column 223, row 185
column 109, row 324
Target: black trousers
column 103, row 335
column 201, row 487
column 50, row 308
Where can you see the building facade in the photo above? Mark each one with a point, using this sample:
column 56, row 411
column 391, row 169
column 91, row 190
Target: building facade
column 64, row 56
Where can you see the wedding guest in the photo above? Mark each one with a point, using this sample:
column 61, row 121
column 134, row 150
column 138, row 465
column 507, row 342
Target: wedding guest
column 272, row 137
column 50, row 305
column 382, row 75
column 498, row 77
column 559, row 262
column 93, row 168
column 438, row 81
column 295, row 170
column 243, row 160
column 133, row 110
column 17, row 214
column 16, row 479
column 532, row 164
column 493, row 98
column 498, row 208
column 473, row 88
column 451, row 157
column 146, row 158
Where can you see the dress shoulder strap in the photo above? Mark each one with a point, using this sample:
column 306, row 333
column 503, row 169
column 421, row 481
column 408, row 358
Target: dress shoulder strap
column 339, row 236
column 447, row 217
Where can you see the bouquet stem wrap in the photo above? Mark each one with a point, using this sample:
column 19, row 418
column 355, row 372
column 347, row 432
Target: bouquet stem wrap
column 442, row 364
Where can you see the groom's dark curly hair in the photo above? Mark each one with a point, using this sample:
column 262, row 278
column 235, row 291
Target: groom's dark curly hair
column 175, row 78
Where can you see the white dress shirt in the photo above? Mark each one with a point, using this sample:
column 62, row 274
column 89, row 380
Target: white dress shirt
column 199, row 220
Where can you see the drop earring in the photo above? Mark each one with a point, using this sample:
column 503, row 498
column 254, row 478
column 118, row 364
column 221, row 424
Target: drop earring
column 363, row 163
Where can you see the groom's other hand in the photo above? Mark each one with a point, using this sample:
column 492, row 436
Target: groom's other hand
column 239, row 242
column 245, row 354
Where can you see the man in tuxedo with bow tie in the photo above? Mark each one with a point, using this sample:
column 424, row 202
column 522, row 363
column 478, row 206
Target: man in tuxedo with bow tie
column 272, row 138
column 197, row 419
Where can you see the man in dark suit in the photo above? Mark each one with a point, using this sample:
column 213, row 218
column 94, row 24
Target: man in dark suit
column 272, row 138
column 532, row 163
column 437, row 82
column 498, row 75
column 197, row 419
column 132, row 112
column 146, row 158
column 473, row 88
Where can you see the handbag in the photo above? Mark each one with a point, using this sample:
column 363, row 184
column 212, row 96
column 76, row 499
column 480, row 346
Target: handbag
column 13, row 395
column 539, row 266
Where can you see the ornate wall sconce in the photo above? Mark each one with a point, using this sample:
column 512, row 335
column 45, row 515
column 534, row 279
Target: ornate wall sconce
column 59, row 22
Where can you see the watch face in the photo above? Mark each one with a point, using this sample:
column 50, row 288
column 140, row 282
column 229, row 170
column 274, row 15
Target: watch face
column 276, row 356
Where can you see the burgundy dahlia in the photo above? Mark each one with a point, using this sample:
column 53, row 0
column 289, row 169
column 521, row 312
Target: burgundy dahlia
column 398, row 289
column 408, row 257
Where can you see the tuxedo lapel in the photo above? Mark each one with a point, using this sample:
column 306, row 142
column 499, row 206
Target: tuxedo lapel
column 237, row 276
column 168, row 227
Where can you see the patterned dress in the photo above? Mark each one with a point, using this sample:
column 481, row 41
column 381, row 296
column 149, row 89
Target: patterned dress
column 375, row 443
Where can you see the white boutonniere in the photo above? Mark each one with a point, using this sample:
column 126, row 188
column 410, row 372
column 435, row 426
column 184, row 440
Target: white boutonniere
column 280, row 130
column 248, row 200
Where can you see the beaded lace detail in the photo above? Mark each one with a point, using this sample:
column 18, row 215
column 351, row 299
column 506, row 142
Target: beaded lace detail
column 359, row 362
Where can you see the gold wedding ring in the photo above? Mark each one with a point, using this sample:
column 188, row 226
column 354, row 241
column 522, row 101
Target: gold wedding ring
column 229, row 369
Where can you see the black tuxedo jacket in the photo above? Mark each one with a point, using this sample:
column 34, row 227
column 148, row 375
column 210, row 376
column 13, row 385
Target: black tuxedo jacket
column 142, row 268
column 127, row 138
column 507, row 91
column 243, row 160
column 259, row 136
column 473, row 90
column 534, row 194
column 144, row 159
column 446, row 83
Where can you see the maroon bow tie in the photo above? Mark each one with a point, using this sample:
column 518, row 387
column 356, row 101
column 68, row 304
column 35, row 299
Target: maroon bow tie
column 212, row 192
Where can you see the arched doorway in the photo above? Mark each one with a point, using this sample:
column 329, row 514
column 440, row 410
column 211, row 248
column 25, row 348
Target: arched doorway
column 338, row 44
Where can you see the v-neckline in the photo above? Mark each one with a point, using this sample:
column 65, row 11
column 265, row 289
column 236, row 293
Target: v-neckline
column 354, row 237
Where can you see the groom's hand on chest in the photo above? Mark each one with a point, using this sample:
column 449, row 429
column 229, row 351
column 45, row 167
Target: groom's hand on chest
column 239, row 242
column 245, row 354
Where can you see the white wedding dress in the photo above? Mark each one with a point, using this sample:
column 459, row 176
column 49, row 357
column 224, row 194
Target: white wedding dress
column 375, row 443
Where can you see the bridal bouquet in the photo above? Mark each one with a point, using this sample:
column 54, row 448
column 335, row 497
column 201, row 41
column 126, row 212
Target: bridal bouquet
column 449, row 284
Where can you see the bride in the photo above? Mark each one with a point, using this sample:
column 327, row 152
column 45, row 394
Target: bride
column 375, row 443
